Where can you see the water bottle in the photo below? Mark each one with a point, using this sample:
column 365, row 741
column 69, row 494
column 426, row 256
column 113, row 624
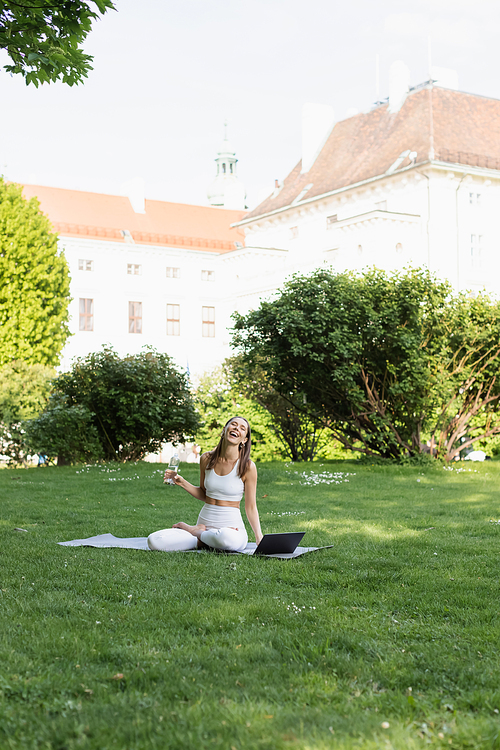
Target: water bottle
column 173, row 465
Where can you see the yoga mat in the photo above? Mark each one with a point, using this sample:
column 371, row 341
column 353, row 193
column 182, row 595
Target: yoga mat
column 141, row 542
column 108, row 540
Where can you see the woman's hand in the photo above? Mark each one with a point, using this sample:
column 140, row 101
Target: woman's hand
column 173, row 476
column 176, row 478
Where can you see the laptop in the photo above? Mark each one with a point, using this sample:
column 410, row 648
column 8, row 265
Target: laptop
column 278, row 544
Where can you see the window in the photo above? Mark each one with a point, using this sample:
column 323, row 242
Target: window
column 85, row 265
column 133, row 269
column 86, row 314
column 331, row 220
column 475, row 199
column 223, row 169
column 173, row 320
column 294, row 233
column 135, row 317
column 399, row 247
column 208, row 275
column 173, row 273
column 208, row 322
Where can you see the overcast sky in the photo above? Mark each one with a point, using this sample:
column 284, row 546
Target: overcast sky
column 167, row 75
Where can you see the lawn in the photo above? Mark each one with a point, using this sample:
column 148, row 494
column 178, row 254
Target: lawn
column 388, row 640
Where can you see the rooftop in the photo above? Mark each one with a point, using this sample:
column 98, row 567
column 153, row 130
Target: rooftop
column 75, row 213
column 464, row 128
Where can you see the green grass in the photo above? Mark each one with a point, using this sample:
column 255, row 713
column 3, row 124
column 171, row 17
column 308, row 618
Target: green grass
column 111, row 648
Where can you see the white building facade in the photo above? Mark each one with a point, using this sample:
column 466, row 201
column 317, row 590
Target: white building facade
column 144, row 278
column 140, row 295
column 415, row 181
column 415, row 185
column 440, row 216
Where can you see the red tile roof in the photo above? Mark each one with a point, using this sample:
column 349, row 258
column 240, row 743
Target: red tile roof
column 76, row 213
column 466, row 130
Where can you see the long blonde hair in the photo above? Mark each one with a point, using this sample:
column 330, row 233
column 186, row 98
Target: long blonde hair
column 244, row 450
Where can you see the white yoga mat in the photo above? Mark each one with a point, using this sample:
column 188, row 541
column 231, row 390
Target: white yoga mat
column 141, row 542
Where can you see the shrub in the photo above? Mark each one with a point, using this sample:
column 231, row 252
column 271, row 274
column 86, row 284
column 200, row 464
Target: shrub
column 24, row 393
column 65, row 432
column 135, row 403
column 217, row 400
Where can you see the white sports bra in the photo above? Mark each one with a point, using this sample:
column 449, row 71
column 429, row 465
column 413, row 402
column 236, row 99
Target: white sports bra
column 230, row 487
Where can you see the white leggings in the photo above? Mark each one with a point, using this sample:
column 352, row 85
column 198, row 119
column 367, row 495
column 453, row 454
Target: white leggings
column 225, row 531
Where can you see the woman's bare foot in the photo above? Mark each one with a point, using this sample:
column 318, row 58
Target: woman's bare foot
column 194, row 530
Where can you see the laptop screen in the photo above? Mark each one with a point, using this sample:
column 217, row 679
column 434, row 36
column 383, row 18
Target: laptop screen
column 275, row 544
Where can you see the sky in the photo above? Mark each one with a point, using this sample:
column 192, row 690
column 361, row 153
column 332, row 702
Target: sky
column 167, row 75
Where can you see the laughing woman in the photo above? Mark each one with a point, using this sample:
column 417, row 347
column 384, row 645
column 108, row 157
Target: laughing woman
column 226, row 473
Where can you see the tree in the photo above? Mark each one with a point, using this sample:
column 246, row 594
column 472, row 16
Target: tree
column 65, row 432
column 302, row 437
column 24, row 390
column 34, row 283
column 136, row 403
column 218, row 398
column 356, row 352
column 468, row 376
column 24, row 393
column 43, row 38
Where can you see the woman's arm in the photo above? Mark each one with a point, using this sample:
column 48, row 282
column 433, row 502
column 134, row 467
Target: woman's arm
column 250, row 481
column 197, row 492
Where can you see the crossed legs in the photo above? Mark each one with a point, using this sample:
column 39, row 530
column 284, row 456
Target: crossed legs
column 182, row 537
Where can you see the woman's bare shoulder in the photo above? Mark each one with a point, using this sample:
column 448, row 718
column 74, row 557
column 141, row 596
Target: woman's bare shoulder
column 251, row 470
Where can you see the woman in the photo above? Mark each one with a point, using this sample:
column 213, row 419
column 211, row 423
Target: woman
column 225, row 474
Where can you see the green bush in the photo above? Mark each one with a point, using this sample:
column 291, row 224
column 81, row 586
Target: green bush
column 383, row 360
column 24, row 390
column 303, row 438
column 65, row 432
column 134, row 403
column 24, row 393
column 217, row 400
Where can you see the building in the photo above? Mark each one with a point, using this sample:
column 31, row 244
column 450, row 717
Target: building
column 416, row 180
column 144, row 273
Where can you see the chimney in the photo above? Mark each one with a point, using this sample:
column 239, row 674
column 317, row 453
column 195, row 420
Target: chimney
column 317, row 123
column 399, row 85
column 134, row 191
